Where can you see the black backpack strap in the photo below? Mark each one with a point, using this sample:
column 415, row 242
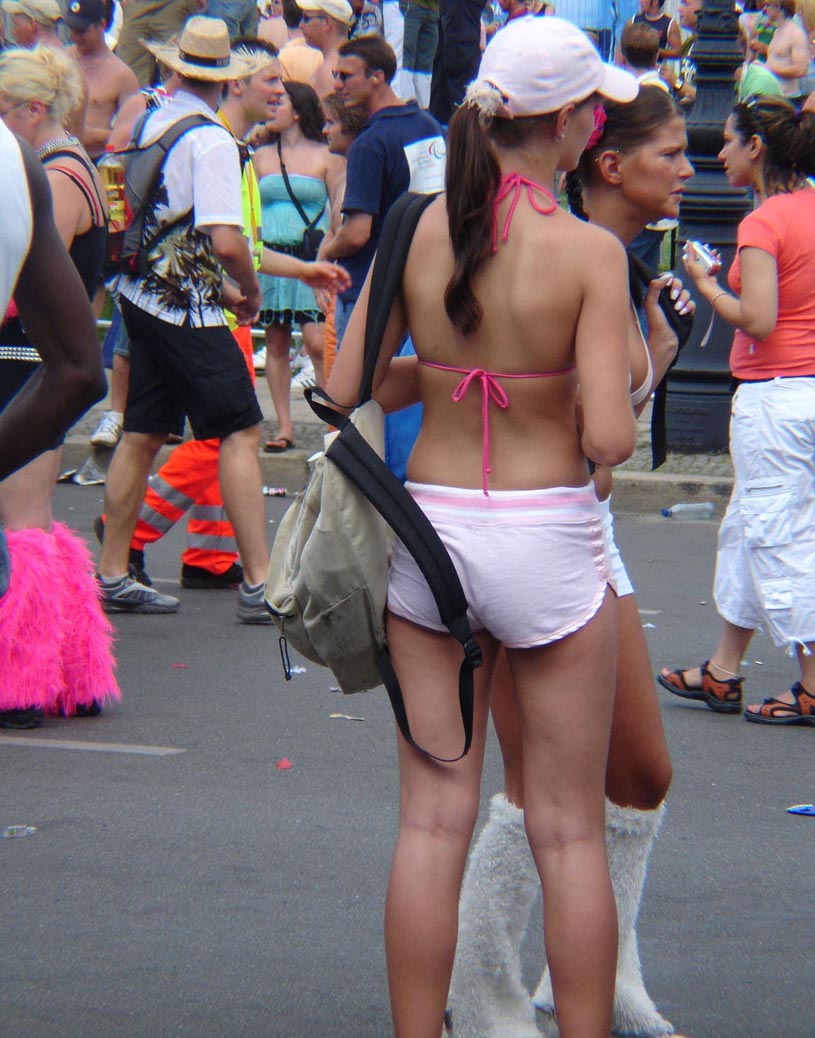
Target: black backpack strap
column 360, row 463
column 163, row 144
column 391, row 255
column 640, row 276
column 357, row 460
column 310, row 224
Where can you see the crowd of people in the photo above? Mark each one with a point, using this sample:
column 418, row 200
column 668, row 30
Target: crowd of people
column 303, row 124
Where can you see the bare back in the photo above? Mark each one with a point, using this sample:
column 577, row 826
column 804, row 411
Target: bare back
column 555, row 304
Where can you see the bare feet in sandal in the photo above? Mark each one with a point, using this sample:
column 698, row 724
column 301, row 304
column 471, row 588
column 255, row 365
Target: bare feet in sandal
column 797, row 706
column 709, row 683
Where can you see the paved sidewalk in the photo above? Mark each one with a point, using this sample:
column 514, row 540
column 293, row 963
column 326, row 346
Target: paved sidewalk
column 683, row 477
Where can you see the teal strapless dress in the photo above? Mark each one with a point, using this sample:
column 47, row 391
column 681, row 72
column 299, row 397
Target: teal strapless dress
column 287, row 300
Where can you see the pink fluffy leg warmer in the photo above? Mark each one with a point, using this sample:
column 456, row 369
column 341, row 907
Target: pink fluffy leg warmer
column 87, row 657
column 31, row 624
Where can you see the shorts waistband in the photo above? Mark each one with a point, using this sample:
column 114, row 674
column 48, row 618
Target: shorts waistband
column 473, row 500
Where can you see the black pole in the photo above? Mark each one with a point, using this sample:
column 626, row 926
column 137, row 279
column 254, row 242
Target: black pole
column 698, row 403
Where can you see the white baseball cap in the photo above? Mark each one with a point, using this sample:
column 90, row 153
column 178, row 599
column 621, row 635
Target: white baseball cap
column 339, row 10
column 538, row 65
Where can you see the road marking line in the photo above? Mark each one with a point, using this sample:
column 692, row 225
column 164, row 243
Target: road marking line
column 91, row 747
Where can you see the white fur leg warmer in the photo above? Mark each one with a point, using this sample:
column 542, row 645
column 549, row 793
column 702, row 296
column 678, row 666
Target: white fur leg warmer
column 487, row 995
column 630, row 835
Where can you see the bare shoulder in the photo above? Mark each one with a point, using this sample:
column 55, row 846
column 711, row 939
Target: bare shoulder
column 125, row 76
column 597, row 246
column 433, row 227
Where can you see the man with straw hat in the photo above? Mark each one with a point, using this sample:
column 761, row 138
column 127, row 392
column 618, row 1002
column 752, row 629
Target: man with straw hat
column 184, row 360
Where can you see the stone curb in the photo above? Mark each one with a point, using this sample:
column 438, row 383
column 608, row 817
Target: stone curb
column 640, row 493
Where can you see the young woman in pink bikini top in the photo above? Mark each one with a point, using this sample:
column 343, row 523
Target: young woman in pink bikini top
column 511, row 303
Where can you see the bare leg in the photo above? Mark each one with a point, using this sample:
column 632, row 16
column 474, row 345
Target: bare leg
column 278, row 376
column 565, row 692
column 437, row 812
column 639, row 767
column 124, row 492
column 314, row 345
column 26, row 495
column 507, row 720
column 119, row 381
column 239, row 476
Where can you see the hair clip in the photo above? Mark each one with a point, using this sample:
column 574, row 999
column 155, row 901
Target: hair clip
column 488, row 99
column 600, row 119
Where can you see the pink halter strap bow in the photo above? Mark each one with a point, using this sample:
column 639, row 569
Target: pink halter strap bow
column 512, row 184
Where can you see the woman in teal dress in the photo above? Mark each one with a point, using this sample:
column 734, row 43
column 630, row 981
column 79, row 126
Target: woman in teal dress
column 314, row 176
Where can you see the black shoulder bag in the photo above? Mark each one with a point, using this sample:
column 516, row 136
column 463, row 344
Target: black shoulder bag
column 312, row 235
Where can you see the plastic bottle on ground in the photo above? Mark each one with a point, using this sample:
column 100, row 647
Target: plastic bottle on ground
column 690, row 510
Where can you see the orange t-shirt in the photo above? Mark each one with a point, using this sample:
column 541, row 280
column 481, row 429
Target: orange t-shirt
column 783, row 226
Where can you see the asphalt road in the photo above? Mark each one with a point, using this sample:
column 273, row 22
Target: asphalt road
column 180, row 884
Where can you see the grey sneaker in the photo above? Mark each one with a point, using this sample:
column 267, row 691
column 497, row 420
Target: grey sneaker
column 251, row 607
column 129, row 596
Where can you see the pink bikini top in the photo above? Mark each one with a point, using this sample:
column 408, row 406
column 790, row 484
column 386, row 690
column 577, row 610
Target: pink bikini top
column 511, row 184
column 490, row 390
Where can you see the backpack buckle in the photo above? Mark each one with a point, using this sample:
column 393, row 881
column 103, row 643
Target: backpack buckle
column 472, row 652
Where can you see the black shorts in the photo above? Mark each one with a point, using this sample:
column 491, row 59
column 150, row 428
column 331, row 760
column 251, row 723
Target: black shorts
column 13, row 376
column 180, row 370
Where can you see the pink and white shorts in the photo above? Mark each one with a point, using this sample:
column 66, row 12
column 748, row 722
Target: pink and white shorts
column 533, row 563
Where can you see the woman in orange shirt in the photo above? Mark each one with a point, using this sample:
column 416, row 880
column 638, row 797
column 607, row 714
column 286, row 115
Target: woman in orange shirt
column 765, row 567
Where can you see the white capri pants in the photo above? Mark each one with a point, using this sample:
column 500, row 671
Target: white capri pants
column 765, row 566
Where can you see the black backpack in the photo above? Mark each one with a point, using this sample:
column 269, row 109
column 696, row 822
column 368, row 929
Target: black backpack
column 128, row 251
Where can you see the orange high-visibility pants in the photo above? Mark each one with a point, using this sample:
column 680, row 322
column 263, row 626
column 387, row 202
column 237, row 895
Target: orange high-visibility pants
column 188, row 482
column 330, row 339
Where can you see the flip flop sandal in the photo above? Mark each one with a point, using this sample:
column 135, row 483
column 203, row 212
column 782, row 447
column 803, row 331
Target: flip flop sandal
column 776, row 711
column 724, row 697
column 278, row 445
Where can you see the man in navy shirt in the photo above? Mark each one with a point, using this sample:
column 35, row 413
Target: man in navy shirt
column 400, row 149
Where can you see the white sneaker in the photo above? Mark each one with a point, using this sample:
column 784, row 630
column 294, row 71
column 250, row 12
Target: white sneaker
column 305, row 377
column 109, row 431
column 298, row 361
column 259, row 360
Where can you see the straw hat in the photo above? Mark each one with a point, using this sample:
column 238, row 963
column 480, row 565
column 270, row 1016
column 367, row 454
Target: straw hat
column 202, row 52
column 46, row 12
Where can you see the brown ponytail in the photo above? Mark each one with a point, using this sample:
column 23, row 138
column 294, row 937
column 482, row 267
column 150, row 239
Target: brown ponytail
column 471, row 181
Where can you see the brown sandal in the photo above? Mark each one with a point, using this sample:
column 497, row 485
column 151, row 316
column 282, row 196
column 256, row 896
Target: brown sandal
column 722, row 696
column 776, row 711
